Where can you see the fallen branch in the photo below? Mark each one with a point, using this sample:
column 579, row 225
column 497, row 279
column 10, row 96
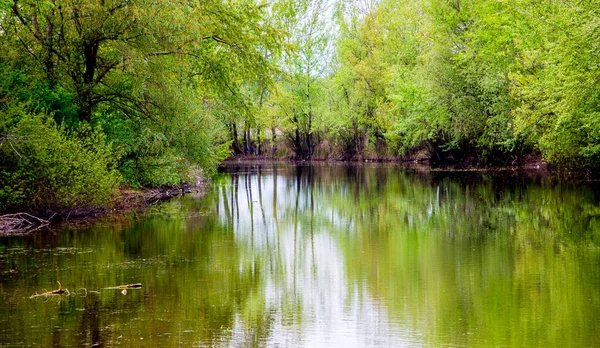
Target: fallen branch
column 123, row 287
column 58, row 292
column 147, row 197
column 21, row 222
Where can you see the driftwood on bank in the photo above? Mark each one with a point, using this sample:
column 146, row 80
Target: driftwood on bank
column 125, row 200
column 147, row 197
column 21, row 222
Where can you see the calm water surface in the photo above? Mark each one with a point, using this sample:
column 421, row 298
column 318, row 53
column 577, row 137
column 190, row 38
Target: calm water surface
column 323, row 256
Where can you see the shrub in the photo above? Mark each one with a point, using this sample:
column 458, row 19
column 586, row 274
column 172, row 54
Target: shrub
column 42, row 164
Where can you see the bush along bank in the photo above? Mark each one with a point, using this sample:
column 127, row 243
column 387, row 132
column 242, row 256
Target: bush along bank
column 50, row 173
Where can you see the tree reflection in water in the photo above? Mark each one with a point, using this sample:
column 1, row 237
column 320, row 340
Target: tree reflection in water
column 323, row 255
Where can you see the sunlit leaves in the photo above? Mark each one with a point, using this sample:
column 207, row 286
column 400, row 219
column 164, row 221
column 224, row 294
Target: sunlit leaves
column 161, row 71
column 493, row 80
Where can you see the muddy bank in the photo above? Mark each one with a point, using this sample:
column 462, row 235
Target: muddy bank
column 126, row 200
column 422, row 163
column 530, row 165
column 423, row 158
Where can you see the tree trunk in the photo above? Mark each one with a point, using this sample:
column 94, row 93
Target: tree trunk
column 247, row 140
column 274, row 141
column 258, row 141
column 235, row 145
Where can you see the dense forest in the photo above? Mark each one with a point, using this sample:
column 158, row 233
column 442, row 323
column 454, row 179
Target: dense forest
column 97, row 94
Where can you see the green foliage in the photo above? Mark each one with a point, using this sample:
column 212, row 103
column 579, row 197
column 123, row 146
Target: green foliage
column 17, row 85
column 156, row 77
column 300, row 88
column 360, row 80
column 43, row 164
column 488, row 80
column 558, row 82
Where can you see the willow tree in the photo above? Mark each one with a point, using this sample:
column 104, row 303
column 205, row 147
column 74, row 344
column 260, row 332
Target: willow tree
column 136, row 85
column 155, row 75
column 304, row 67
column 557, row 82
column 362, row 76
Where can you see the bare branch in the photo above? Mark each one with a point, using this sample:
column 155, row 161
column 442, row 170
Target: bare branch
column 21, row 222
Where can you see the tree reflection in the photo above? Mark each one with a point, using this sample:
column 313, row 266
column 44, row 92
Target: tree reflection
column 330, row 255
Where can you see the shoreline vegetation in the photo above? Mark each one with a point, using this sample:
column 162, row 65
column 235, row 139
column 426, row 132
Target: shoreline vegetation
column 125, row 201
column 95, row 97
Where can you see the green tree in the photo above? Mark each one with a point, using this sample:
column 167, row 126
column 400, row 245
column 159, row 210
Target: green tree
column 156, row 75
column 304, row 68
column 558, row 83
column 362, row 76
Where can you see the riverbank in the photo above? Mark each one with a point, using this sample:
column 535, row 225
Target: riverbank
column 125, row 201
column 421, row 161
column 532, row 163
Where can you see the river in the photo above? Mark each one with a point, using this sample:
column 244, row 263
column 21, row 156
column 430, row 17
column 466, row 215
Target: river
column 330, row 255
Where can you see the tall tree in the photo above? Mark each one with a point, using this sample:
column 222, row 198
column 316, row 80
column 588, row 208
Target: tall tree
column 304, row 67
column 156, row 76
